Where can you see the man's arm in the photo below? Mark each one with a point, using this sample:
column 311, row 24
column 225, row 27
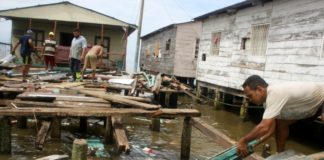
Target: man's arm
column 262, row 131
column 30, row 42
column 14, row 48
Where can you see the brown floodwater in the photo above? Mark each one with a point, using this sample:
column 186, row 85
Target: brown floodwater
column 146, row 144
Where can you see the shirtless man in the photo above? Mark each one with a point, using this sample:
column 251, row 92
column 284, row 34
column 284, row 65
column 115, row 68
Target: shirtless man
column 91, row 59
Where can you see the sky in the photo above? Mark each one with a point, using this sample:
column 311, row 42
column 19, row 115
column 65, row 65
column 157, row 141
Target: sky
column 157, row 14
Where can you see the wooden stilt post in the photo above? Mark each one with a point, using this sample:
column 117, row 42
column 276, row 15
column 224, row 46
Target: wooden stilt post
column 80, row 148
column 56, row 128
column 167, row 100
column 186, row 138
column 217, row 98
column 156, row 125
column 173, row 100
column 198, row 92
column 83, row 124
column 162, row 99
column 243, row 110
column 126, row 92
column 5, row 136
column 109, row 131
column 22, row 123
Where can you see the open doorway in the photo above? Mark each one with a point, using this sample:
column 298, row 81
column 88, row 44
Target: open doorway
column 66, row 39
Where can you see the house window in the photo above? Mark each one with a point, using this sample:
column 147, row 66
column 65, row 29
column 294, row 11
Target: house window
column 245, row 43
column 215, row 43
column 259, row 39
column 168, row 44
column 197, row 47
column 105, row 43
column 157, row 50
column 38, row 38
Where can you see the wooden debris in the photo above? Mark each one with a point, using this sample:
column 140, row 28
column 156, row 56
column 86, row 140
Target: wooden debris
column 120, row 135
column 119, row 100
column 57, row 104
column 42, row 135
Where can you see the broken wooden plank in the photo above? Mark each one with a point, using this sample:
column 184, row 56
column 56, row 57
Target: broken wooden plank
column 120, row 135
column 99, row 112
column 217, row 136
column 157, row 84
column 119, row 100
column 17, row 90
column 23, row 104
column 41, row 135
column 58, row 97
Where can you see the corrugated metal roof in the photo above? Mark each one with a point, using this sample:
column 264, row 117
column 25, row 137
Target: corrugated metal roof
column 163, row 29
column 64, row 11
column 234, row 7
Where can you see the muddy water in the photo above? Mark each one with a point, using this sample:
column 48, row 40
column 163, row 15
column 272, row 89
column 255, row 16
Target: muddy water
column 146, row 144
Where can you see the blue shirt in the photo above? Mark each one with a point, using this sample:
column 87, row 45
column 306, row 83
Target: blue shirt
column 77, row 45
column 25, row 48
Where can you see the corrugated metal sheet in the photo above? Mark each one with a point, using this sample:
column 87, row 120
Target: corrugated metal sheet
column 259, row 39
column 64, row 11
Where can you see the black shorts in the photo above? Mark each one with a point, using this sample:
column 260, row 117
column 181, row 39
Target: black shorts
column 26, row 59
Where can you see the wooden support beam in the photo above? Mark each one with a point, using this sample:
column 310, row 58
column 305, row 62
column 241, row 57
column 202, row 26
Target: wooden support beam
column 56, row 104
column 156, row 124
column 41, row 135
column 120, row 135
column 124, row 101
column 109, row 131
column 15, row 90
column 5, row 136
column 186, row 139
column 56, row 127
column 99, row 112
column 173, row 100
column 243, row 109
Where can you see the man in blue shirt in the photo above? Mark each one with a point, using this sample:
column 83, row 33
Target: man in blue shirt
column 26, row 48
column 77, row 53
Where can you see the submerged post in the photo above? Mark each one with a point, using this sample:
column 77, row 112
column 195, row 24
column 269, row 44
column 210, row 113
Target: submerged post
column 186, row 138
column 109, row 131
column 80, row 148
column 56, row 127
column 5, row 136
column 243, row 110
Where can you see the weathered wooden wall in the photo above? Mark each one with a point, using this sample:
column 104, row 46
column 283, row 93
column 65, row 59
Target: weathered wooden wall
column 184, row 60
column 180, row 59
column 165, row 63
column 294, row 48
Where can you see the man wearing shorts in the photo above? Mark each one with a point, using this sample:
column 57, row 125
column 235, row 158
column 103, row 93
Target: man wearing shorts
column 91, row 59
column 26, row 48
column 49, row 51
column 285, row 103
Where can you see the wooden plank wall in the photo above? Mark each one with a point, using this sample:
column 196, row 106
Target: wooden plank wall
column 294, row 49
column 185, row 61
column 166, row 62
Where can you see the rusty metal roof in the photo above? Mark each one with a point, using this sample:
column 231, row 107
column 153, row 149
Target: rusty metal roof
column 64, row 11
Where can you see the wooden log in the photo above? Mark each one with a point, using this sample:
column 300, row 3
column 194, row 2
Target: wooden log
column 186, row 139
column 119, row 100
column 5, row 135
column 120, row 135
column 41, row 135
column 157, row 84
column 109, row 131
column 79, row 150
column 100, row 112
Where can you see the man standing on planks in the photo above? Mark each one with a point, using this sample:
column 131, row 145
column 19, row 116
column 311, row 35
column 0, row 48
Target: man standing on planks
column 91, row 60
column 77, row 53
column 49, row 51
column 26, row 48
column 285, row 103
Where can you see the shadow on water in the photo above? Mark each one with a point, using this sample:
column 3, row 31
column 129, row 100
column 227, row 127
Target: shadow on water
column 146, row 144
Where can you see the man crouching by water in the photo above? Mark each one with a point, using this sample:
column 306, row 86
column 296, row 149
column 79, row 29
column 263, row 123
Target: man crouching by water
column 285, row 103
